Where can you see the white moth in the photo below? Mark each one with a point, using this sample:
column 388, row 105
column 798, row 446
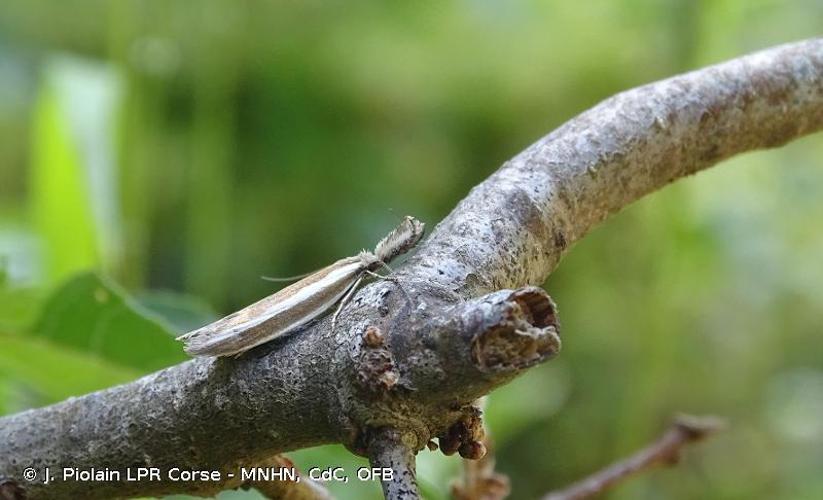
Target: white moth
column 301, row 302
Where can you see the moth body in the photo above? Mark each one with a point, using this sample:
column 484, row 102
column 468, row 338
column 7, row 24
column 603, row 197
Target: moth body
column 299, row 303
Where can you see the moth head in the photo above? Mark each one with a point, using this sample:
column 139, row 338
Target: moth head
column 369, row 260
column 400, row 240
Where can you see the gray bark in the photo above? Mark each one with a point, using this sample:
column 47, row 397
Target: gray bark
column 389, row 451
column 414, row 359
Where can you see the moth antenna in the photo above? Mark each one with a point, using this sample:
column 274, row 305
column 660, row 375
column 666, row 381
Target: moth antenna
column 287, row 278
column 400, row 240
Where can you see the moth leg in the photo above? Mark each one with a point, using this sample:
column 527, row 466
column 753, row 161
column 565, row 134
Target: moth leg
column 378, row 275
column 344, row 301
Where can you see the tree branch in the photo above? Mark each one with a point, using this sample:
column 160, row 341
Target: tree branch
column 665, row 451
column 389, row 450
column 415, row 361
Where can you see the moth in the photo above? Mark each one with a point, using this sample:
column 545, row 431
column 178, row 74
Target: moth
column 299, row 303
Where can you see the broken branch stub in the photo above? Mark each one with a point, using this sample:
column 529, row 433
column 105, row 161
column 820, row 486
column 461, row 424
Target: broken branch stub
column 458, row 350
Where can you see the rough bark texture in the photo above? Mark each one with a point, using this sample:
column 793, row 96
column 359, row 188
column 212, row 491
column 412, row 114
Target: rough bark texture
column 390, row 450
column 414, row 360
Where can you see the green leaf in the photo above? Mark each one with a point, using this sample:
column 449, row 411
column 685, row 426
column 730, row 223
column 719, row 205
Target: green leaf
column 182, row 312
column 59, row 192
column 18, row 308
column 4, row 274
column 92, row 315
column 55, row 373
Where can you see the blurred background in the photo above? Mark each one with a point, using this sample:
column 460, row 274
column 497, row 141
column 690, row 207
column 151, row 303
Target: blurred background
column 160, row 156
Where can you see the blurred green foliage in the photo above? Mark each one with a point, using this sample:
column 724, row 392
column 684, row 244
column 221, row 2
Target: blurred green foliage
column 88, row 314
column 183, row 149
column 60, row 210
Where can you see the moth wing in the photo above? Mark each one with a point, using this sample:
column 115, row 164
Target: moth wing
column 244, row 319
column 228, row 330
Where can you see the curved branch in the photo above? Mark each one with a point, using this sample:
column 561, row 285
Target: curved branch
column 414, row 361
column 513, row 228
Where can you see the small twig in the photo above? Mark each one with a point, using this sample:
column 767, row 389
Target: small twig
column 304, row 489
column 388, row 449
column 480, row 481
column 665, row 451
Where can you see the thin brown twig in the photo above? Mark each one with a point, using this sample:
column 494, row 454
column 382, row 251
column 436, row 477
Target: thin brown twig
column 666, row 450
column 302, row 489
column 480, row 481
